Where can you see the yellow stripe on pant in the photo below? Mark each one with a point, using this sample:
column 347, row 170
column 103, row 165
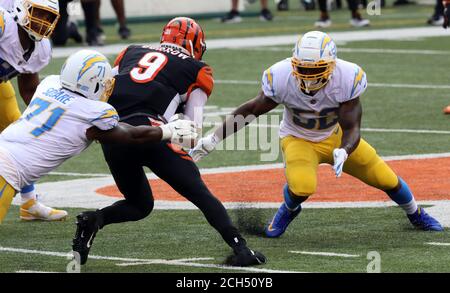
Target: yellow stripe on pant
column 9, row 109
column 303, row 157
column 7, row 193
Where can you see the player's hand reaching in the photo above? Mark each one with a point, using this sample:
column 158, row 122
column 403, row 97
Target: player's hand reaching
column 204, row 146
column 339, row 156
column 446, row 15
column 179, row 131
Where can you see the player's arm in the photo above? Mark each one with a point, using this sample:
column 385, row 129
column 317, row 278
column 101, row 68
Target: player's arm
column 238, row 119
column 27, row 86
column 126, row 134
column 349, row 118
column 245, row 114
column 176, row 131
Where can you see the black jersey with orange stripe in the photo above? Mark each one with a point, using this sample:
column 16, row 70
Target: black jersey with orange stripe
column 157, row 80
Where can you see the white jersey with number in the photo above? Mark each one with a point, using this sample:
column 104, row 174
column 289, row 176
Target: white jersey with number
column 51, row 130
column 313, row 118
column 7, row 4
column 13, row 59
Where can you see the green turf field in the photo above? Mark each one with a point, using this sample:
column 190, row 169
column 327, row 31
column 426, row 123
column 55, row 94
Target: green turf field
column 170, row 235
column 393, row 103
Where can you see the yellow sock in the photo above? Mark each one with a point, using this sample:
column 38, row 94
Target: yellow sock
column 7, row 193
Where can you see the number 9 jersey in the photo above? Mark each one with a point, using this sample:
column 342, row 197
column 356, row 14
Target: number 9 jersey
column 157, row 81
column 51, row 130
column 313, row 118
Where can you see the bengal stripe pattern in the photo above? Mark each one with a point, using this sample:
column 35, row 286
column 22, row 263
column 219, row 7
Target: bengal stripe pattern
column 187, row 33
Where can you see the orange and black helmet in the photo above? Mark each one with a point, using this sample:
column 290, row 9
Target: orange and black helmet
column 186, row 33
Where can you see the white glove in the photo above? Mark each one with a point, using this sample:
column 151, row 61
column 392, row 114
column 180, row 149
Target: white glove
column 181, row 132
column 339, row 156
column 204, row 146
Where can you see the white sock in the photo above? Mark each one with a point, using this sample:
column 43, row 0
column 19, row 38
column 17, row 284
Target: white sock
column 410, row 207
column 28, row 195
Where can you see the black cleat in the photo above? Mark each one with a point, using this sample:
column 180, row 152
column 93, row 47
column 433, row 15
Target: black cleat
column 244, row 257
column 283, row 5
column 87, row 228
column 124, row 32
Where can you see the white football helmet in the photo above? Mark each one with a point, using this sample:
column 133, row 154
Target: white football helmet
column 37, row 17
column 313, row 60
column 89, row 74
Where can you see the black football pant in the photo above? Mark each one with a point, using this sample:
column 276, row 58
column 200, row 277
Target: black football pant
column 174, row 167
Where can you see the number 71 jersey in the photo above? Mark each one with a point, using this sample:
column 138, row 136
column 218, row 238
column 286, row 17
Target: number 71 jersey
column 51, row 130
column 313, row 118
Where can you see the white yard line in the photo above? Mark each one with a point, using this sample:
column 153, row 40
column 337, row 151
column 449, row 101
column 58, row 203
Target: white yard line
column 370, row 84
column 188, row 262
column 362, row 50
column 438, row 243
column 275, row 40
column 80, row 174
column 200, row 265
column 35, row 272
column 324, row 253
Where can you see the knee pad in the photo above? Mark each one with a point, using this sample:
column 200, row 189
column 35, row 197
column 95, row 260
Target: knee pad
column 382, row 175
column 302, row 187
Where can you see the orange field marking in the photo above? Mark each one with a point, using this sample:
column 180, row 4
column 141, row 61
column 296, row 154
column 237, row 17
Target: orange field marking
column 429, row 179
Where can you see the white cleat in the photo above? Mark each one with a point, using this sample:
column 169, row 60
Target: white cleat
column 323, row 23
column 33, row 210
column 359, row 22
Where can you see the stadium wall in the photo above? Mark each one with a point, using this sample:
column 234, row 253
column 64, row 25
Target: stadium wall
column 154, row 10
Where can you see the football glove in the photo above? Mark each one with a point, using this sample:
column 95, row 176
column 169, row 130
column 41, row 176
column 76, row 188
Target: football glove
column 204, row 146
column 446, row 15
column 339, row 156
column 179, row 131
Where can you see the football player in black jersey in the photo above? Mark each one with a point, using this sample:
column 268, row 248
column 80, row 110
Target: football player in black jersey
column 153, row 84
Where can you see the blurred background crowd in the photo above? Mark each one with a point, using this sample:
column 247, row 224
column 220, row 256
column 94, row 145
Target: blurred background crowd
column 94, row 35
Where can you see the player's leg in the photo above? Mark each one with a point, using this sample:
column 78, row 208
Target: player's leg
column 366, row 165
column 301, row 162
column 176, row 167
column 127, row 170
column 32, row 209
column 9, row 109
column 7, row 193
column 130, row 178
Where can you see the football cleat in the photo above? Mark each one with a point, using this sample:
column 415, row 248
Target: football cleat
column 33, row 210
column 244, row 257
column 436, row 20
column 323, row 23
column 124, row 32
column 87, row 227
column 232, row 17
column 359, row 22
column 420, row 219
column 265, row 15
column 447, row 110
column 281, row 221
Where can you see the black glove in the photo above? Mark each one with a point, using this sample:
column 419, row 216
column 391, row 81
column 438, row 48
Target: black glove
column 244, row 257
column 446, row 16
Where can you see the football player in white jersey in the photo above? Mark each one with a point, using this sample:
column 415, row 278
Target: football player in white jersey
column 321, row 124
column 25, row 26
column 67, row 113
